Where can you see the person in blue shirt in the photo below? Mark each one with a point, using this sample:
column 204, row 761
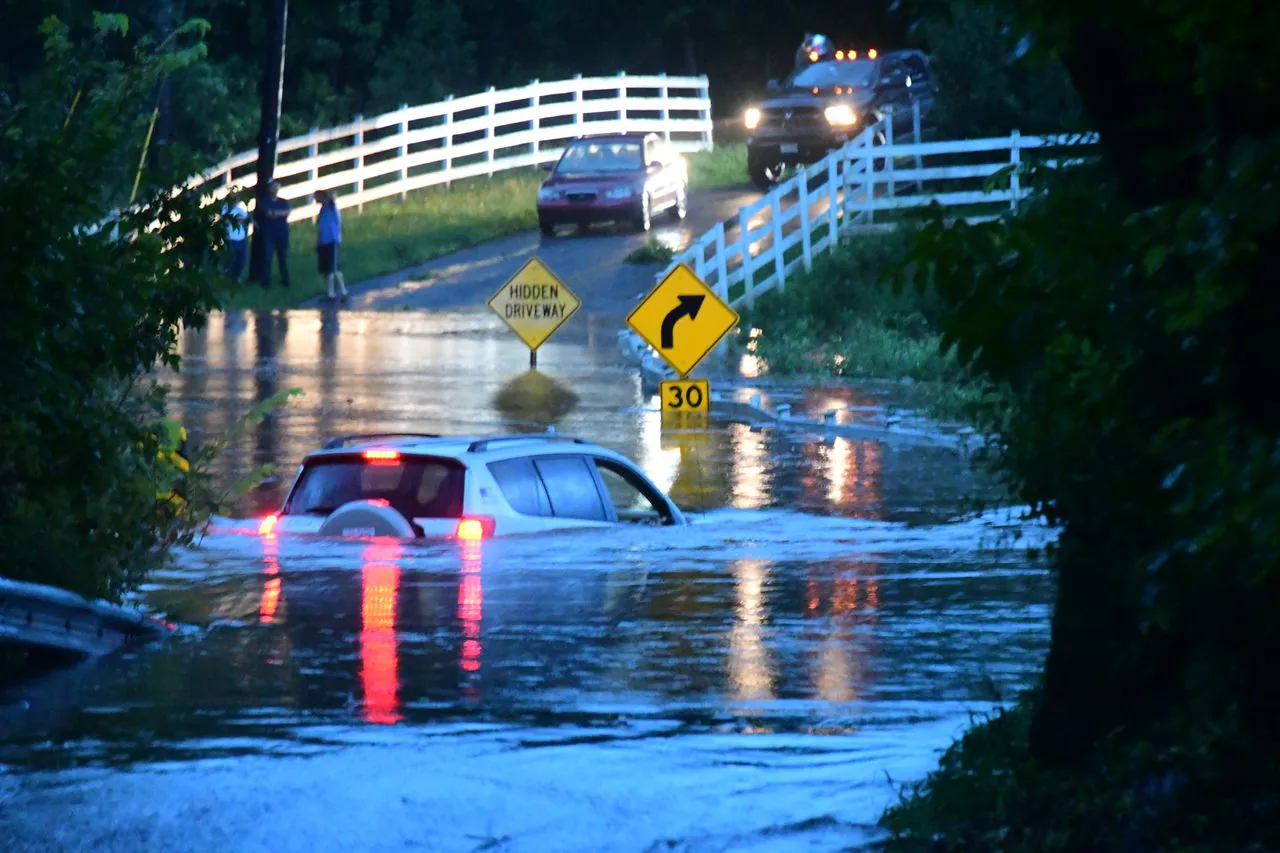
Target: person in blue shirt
column 328, row 236
column 275, row 233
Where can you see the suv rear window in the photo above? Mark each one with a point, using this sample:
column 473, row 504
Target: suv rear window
column 417, row 486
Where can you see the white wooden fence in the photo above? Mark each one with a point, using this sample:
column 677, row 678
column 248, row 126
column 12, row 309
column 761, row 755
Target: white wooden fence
column 466, row 137
column 869, row 181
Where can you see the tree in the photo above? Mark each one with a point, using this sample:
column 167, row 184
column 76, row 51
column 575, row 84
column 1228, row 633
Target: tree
column 92, row 495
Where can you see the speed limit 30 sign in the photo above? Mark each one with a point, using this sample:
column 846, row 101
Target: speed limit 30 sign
column 686, row 395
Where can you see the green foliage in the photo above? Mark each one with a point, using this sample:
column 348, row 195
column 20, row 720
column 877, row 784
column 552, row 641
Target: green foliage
column 1131, row 310
column 982, row 89
column 83, row 462
column 651, row 252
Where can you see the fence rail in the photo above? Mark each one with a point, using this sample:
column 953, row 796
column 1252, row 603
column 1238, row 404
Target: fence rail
column 466, row 137
column 866, row 180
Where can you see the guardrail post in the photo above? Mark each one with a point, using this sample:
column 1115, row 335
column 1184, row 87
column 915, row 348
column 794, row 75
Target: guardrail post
column 402, row 130
column 748, row 262
column 916, row 138
column 448, row 140
column 663, row 94
column 357, row 141
column 488, row 131
column 1015, row 179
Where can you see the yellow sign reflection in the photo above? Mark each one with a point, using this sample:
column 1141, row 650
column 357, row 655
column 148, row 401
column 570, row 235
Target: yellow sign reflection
column 751, row 675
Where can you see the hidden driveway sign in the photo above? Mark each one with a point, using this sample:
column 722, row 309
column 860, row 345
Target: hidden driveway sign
column 682, row 319
column 534, row 303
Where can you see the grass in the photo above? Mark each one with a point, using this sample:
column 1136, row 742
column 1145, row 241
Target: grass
column 842, row 319
column 652, row 252
column 391, row 235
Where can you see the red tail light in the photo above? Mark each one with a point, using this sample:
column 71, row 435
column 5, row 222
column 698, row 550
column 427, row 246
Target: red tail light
column 268, row 524
column 475, row 527
column 380, row 455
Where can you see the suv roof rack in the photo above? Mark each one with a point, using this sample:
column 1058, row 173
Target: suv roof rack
column 343, row 440
column 483, row 444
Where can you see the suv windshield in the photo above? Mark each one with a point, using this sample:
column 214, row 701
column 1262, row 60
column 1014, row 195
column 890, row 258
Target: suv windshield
column 593, row 158
column 419, row 487
column 847, row 72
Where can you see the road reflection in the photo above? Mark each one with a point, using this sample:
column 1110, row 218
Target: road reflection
column 751, row 675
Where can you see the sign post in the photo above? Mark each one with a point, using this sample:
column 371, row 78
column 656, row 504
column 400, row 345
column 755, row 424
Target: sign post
column 534, row 303
column 683, row 320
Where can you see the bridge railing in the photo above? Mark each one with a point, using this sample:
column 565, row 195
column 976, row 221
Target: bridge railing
column 871, row 181
column 466, row 137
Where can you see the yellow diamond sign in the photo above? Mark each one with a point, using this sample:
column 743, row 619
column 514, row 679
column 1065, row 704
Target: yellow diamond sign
column 682, row 319
column 534, row 303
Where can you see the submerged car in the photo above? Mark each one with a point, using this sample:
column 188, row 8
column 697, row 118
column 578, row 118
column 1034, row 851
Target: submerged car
column 624, row 178
column 465, row 487
column 826, row 103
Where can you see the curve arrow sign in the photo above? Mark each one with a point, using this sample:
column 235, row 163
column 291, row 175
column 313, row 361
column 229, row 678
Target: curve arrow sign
column 689, row 307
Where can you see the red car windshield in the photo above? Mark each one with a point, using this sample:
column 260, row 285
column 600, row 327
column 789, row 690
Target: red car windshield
column 601, row 157
column 419, row 487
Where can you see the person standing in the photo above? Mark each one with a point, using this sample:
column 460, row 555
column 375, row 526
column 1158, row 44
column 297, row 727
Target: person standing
column 275, row 233
column 237, row 217
column 328, row 237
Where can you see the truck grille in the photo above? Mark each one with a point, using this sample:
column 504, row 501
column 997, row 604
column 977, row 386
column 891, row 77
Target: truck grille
column 580, row 196
column 792, row 118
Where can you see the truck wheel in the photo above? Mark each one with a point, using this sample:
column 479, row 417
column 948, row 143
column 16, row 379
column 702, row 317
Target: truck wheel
column 765, row 175
column 548, row 229
column 366, row 518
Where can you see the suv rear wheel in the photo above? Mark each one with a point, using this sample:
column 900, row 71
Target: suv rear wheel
column 367, row 518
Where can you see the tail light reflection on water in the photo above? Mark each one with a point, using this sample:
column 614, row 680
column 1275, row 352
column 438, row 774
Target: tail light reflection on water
column 270, row 601
column 470, row 608
column 379, row 652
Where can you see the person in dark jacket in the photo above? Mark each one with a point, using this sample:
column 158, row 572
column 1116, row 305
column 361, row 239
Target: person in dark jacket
column 815, row 48
column 328, row 237
column 275, row 234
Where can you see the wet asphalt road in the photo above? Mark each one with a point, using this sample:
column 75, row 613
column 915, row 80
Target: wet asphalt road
column 591, row 263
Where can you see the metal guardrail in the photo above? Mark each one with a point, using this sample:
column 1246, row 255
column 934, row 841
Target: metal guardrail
column 45, row 617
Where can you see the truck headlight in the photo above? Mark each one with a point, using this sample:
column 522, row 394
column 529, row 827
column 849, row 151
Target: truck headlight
column 618, row 192
column 548, row 194
column 841, row 116
column 751, row 118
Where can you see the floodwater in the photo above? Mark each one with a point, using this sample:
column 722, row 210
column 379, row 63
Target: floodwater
column 759, row 680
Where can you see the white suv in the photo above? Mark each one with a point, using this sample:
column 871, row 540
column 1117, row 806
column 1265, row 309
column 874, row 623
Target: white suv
column 419, row 485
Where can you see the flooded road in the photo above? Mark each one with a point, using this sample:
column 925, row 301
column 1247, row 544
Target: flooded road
column 744, row 683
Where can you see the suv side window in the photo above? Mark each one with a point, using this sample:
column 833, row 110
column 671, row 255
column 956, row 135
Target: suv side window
column 571, row 485
column 521, row 486
column 633, row 499
column 892, row 72
column 918, row 70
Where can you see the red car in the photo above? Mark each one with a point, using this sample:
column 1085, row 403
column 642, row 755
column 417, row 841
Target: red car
column 619, row 177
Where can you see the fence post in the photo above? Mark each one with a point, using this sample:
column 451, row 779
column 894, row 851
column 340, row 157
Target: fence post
column 833, row 195
column 535, row 101
column 775, row 220
column 869, row 179
column 888, row 160
column 402, row 130
column 663, row 93
column 806, row 238
column 622, row 100
column 722, row 264
column 705, row 93
column 748, row 262
column 488, row 131
column 313, row 152
column 1015, row 179
column 357, row 142
column 448, row 140
column 579, row 116
column 916, row 138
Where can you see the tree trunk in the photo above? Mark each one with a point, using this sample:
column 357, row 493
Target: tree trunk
column 268, row 129
column 163, row 15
